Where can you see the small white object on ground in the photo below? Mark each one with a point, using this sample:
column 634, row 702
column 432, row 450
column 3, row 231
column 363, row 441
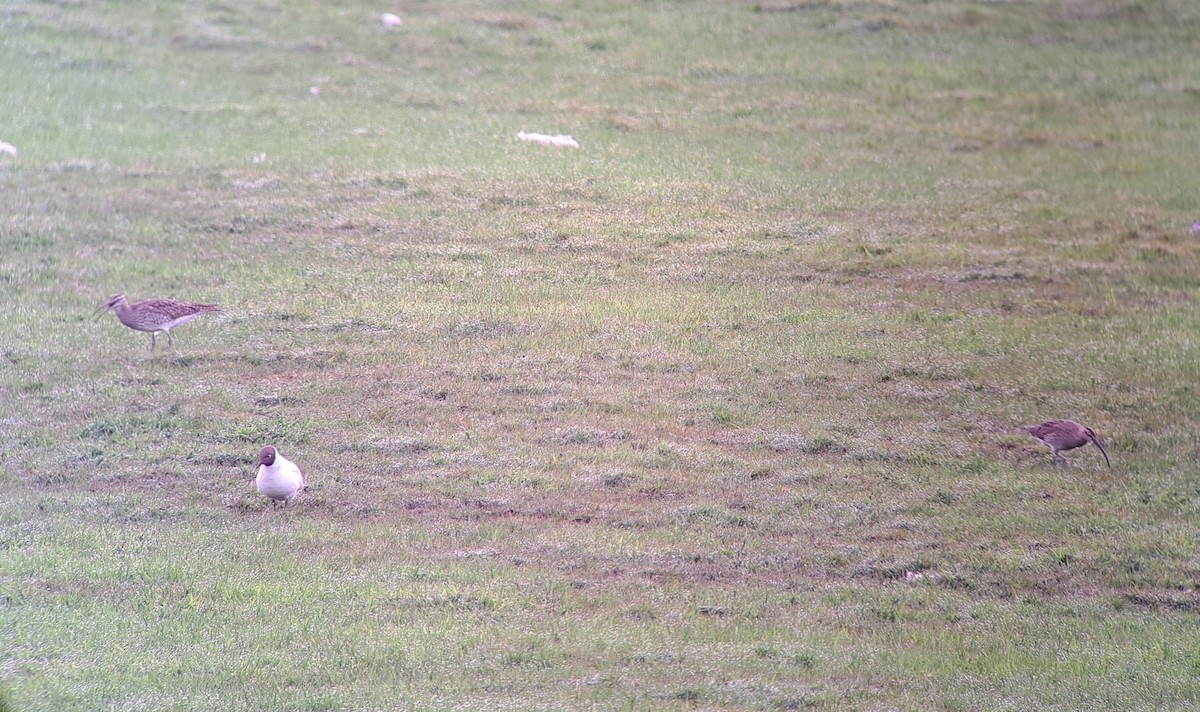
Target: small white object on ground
column 548, row 140
column 911, row 576
column 315, row 91
column 390, row 20
column 8, row 148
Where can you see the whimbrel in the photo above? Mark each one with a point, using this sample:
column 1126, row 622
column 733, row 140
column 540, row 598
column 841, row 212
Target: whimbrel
column 278, row 477
column 1061, row 435
column 155, row 315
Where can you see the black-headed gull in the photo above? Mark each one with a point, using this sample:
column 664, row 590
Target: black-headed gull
column 278, row 477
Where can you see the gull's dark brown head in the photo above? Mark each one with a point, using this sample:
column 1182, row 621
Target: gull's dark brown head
column 266, row 456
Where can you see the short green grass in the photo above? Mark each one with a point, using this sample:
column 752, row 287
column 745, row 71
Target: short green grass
column 719, row 411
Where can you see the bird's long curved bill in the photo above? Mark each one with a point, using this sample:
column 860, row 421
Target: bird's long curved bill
column 1096, row 441
column 99, row 311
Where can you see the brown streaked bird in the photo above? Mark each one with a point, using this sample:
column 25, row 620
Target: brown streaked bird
column 155, row 315
column 1061, row 435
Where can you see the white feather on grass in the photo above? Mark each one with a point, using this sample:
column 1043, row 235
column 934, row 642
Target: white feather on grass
column 548, row 140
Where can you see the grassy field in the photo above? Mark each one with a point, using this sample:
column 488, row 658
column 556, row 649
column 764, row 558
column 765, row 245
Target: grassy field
column 719, row 411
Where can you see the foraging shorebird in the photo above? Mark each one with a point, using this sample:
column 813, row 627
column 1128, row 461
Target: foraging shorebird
column 1061, row 435
column 155, row 315
column 278, row 477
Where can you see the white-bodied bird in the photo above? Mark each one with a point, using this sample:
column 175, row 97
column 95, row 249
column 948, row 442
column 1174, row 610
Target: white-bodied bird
column 278, row 477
